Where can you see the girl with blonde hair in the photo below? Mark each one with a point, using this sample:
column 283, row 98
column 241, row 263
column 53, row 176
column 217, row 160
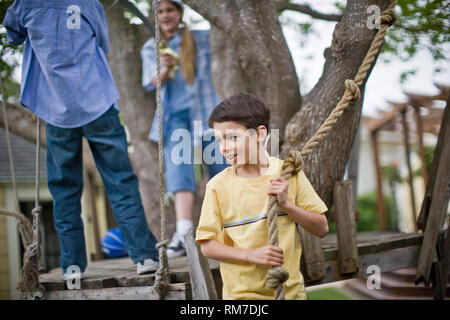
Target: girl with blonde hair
column 187, row 97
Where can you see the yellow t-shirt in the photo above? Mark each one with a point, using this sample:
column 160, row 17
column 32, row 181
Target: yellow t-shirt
column 234, row 213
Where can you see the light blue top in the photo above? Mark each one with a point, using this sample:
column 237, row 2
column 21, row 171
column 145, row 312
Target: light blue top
column 177, row 95
column 66, row 79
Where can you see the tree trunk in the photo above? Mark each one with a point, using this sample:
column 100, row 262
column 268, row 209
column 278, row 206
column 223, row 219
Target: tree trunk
column 249, row 53
column 351, row 41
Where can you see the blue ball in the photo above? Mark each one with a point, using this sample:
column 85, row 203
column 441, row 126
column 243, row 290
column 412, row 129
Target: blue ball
column 113, row 244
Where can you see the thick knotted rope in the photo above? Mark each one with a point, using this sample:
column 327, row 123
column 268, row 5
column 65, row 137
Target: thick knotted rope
column 276, row 276
column 294, row 162
column 162, row 275
column 29, row 274
column 25, row 227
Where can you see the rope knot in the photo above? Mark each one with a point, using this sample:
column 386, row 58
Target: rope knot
column 388, row 17
column 36, row 211
column 276, row 277
column 162, row 244
column 352, row 88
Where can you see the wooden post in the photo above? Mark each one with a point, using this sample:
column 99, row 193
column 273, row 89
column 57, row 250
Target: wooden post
column 312, row 256
column 408, row 163
column 346, row 227
column 110, row 219
column 90, row 188
column 439, row 268
column 202, row 281
column 381, row 208
column 419, row 126
column 438, row 202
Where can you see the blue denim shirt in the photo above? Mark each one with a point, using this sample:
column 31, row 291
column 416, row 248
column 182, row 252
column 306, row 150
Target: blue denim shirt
column 66, row 79
column 199, row 97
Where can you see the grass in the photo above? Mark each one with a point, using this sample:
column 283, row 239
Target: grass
column 327, row 294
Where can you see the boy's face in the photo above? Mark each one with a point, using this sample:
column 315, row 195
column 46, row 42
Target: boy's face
column 239, row 145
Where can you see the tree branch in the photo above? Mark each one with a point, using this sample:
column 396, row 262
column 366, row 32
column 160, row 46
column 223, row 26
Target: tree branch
column 306, row 9
column 216, row 12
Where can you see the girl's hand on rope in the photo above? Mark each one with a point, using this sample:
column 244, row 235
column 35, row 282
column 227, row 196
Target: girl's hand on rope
column 269, row 256
column 279, row 187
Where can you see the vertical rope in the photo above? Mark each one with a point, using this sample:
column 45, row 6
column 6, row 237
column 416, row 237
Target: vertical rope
column 36, row 212
column 25, row 228
column 162, row 275
column 10, row 154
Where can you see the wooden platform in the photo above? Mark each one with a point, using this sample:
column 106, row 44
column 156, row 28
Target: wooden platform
column 117, row 278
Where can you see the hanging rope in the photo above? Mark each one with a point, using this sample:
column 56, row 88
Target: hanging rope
column 29, row 274
column 276, row 276
column 162, row 275
column 25, row 228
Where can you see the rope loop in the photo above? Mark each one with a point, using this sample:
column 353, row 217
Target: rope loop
column 352, row 88
column 162, row 244
column 388, row 17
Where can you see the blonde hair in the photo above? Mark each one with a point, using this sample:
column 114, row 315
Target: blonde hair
column 187, row 55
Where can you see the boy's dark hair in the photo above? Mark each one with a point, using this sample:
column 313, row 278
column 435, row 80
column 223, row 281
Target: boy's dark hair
column 244, row 108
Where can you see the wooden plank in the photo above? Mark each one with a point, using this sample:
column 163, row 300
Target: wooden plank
column 381, row 208
column 175, row 292
column 202, row 282
column 390, row 260
column 346, row 227
column 388, row 117
column 426, row 203
column 86, row 284
column 373, row 242
column 439, row 269
column 91, row 194
column 408, row 164
column 439, row 201
column 419, row 129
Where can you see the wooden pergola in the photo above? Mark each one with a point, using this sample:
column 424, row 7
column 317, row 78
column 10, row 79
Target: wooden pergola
column 403, row 116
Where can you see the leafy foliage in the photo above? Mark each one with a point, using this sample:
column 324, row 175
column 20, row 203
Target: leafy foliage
column 367, row 209
column 421, row 24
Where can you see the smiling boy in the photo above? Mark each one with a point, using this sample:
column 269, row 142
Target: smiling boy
column 233, row 222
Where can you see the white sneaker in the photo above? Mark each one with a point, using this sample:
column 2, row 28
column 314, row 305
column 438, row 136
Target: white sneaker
column 147, row 266
column 176, row 246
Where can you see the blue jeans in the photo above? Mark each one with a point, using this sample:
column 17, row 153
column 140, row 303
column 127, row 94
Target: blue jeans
column 179, row 175
column 108, row 145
